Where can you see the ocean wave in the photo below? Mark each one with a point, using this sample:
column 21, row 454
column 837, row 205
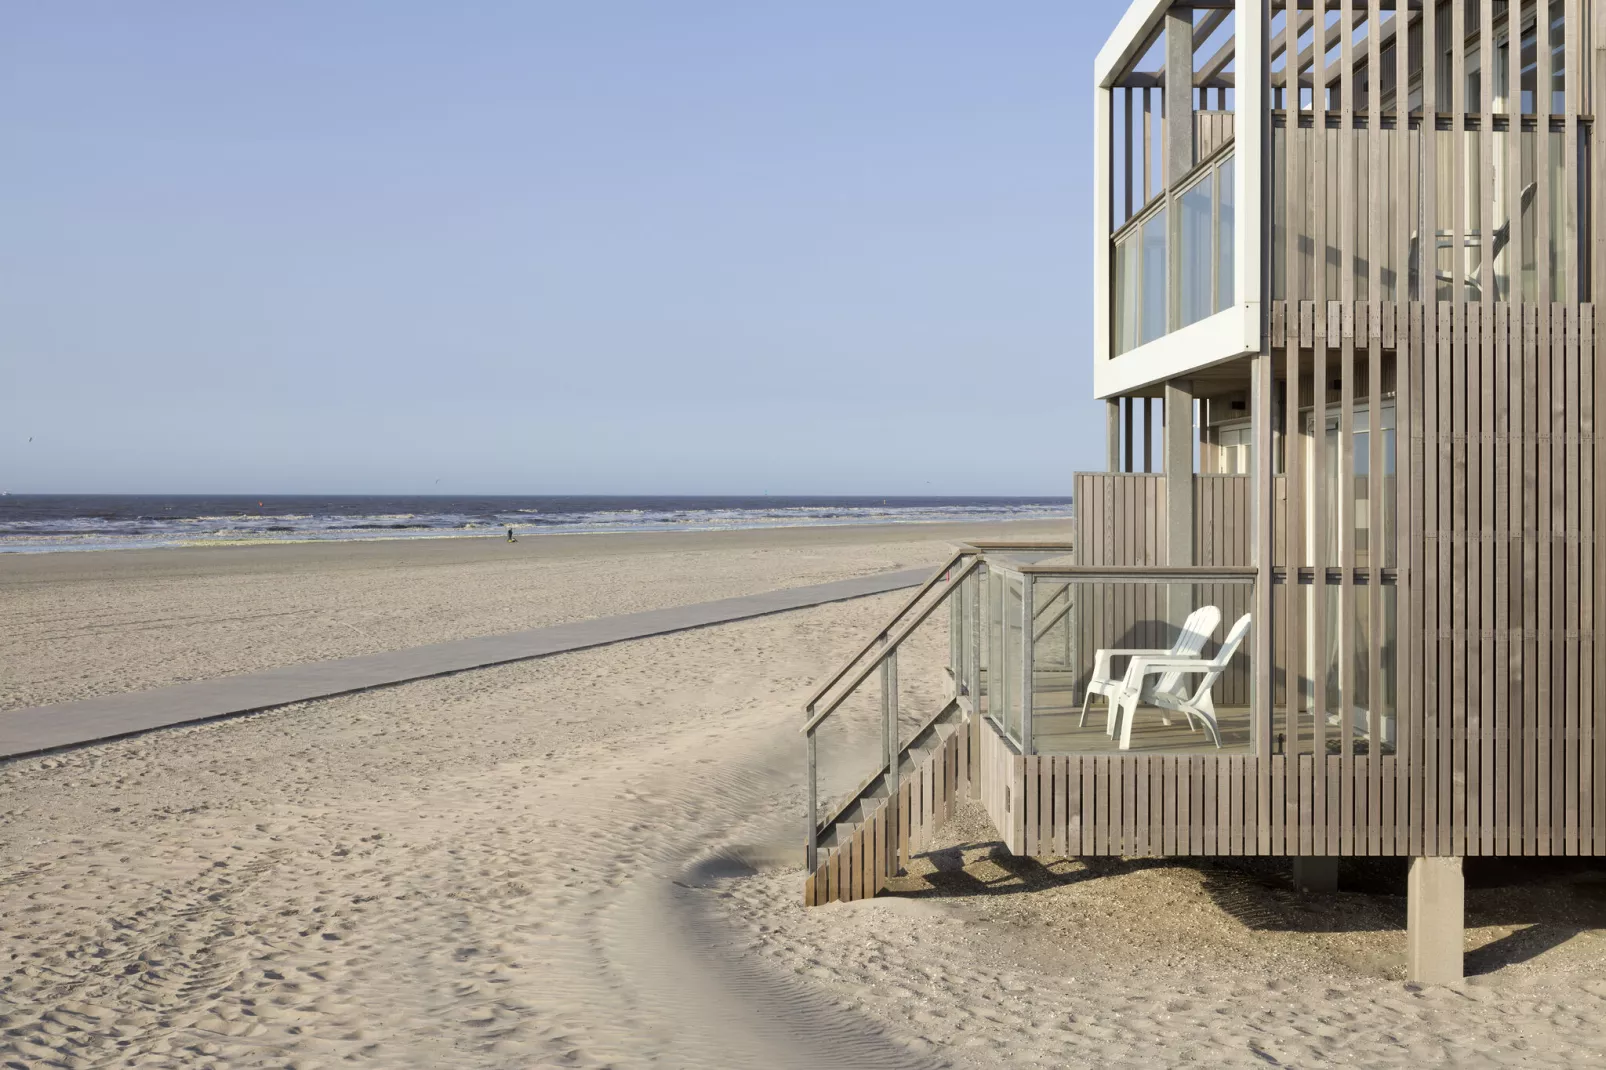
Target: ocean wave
column 34, row 524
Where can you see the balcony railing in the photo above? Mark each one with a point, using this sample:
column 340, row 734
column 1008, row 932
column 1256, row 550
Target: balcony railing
column 1042, row 652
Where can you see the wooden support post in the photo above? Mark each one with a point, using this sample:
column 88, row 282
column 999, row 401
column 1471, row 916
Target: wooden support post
column 889, row 713
column 812, row 840
column 1112, row 430
column 1260, row 636
column 1028, row 649
column 889, row 706
column 1148, row 434
column 1179, row 493
column 1128, row 406
column 1176, row 145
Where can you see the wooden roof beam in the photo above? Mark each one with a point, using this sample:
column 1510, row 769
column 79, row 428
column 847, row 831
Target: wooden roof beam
column 1208, row 25
column 1217, row 63
column 1335, row 36
column 1156, row 80
column 1335, row 5
column 1383, row 42
column 1279, row 44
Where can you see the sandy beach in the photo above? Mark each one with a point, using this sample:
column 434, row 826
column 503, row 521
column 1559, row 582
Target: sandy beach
column 73, row 625
column 593, row 859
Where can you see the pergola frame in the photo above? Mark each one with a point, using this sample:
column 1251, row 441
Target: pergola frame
column 1235, row 331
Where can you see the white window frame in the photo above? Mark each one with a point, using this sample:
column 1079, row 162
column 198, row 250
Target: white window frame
column 1225, row 335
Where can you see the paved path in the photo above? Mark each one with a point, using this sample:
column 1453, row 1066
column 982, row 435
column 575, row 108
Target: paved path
column 64, row 724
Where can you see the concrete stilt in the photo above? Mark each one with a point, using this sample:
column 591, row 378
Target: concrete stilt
column 1316, row 873
column 1435, row 921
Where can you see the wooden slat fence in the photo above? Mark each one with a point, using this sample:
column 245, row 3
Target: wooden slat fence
column 1211, row 131
column 1488, row 660
column 998, row 775
column 1120, row 520
column 1136, row 806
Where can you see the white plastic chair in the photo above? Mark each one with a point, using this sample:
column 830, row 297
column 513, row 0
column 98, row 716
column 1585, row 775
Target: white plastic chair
column 1196, row 631
column 1200, row 705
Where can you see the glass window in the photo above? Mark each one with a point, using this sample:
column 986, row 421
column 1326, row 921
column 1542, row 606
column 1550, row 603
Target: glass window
column 1233, row 454
column 1152, row 323
column 1224, row 236
column 1126, row 293
column 1141, row 281
column 1195, row 264
column 1357, row 485
column 1558, row 58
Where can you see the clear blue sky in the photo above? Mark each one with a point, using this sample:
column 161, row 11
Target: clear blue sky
column 542, row 247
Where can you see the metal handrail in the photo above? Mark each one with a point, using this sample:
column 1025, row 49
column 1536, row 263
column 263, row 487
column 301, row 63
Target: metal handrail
column 885, row 659
column 891, row 647
column 1064, row 611
column 1135, row 573
column 925, row 588
column 1042, row 610
column 974, row 550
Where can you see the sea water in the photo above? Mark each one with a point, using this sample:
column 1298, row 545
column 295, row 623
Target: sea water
column 45, row 522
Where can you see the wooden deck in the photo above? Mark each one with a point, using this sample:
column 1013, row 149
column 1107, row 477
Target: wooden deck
column 1146, row 804
column 1056, row 732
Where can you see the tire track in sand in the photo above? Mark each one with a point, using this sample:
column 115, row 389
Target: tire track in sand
column 480, row 891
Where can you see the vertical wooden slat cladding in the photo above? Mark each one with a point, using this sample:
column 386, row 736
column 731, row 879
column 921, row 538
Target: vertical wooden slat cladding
column 1463, row 695
column 1559, row 601
column 1495, row 410
column 1032, row 784
column 1336, row 833
column 1530, row 572
column 1496, row 796
column 1414, row 634
column 1341, row 831
column 1591, row 797
column 905, row 801
column 1472, row 572
column 1372, row 313
column 1376, row 559
column 1451, row 779
column 1594, row 574
column 1408, row 526
column 1386, row 272
column 1428, row 275
column 1221, row 525
column 1483, row 404
column 1540, row 714
column 1323, row 157
column 1067, row 803
column 1571, row 525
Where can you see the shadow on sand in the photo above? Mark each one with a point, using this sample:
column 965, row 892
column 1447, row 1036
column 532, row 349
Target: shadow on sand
column 1546, row 901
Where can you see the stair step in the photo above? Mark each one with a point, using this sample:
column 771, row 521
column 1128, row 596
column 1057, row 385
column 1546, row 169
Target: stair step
column 932, row 737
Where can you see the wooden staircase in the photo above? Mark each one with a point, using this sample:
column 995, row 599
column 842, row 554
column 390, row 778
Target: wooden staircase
column 870, row 838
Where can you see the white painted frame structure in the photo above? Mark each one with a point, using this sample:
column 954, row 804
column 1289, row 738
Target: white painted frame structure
column 1234, row 331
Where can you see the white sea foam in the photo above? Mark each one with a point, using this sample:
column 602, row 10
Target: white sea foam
column 92, row 524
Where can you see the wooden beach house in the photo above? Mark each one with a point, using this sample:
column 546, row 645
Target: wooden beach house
column 1345, row 260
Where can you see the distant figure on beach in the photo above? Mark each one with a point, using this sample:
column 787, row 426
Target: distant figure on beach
column 510, row 537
